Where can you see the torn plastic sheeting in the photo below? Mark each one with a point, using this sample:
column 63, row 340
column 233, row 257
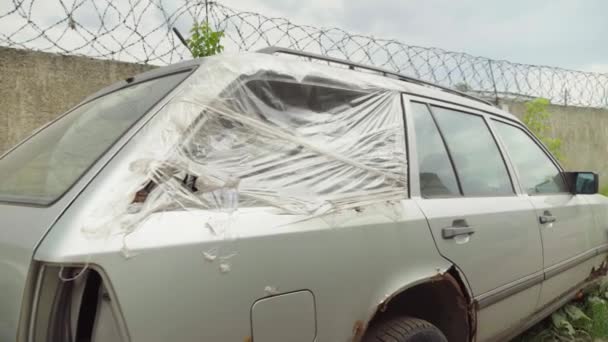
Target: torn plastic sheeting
column 325, row 158
column 257, row 131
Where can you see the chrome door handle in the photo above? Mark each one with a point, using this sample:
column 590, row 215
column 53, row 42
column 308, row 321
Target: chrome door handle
column 547, row 217
column 459, row 227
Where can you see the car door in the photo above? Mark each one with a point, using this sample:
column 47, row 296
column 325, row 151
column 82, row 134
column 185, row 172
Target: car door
column 566, row 221
column 599, row 205
column 478, row 220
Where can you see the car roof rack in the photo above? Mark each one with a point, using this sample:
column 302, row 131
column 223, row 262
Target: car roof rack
column 353, row 66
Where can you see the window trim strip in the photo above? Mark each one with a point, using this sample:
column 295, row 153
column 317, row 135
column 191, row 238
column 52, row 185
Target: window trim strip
column 407, row 146
column 447, row 149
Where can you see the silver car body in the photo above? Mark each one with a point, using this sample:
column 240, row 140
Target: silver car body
column 178, row 267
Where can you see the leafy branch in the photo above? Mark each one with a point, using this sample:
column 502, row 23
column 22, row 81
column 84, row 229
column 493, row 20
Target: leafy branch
column 204, row 41
column 537, row 119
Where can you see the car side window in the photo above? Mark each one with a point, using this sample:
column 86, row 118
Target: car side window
column 299, row 146
column 479, row 164
column 437, row 178
column 537, row 172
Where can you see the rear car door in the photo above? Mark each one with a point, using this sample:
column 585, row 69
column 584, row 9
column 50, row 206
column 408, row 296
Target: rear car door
column 565, row 220
column 477, row 219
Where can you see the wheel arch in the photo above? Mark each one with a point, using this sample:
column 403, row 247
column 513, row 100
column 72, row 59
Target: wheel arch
column 443, row 299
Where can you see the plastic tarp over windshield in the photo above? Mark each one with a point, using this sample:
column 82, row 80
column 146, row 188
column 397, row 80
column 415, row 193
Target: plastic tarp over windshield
column 263, row 131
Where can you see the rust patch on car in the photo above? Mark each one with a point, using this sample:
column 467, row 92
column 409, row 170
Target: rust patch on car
column 465, row 302
column 383, row 305
column 579, row 295
column 358, row 329
column 599, row 272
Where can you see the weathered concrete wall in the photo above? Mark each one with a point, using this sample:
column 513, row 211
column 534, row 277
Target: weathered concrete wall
column 35, row 87
column 584, row 136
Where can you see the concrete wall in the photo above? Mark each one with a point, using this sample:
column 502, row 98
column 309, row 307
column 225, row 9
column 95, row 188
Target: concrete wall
column 35, row 87
column 584, row 136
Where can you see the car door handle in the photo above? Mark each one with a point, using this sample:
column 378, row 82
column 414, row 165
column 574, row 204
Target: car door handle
column 459, row 227
column 546, row 217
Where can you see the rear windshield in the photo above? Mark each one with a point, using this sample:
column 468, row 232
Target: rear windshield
column 44, row 167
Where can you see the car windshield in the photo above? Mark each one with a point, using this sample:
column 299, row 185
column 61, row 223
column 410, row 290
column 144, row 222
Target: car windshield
column 43, row 168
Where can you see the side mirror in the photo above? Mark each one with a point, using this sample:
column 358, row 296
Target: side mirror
column 584, row 183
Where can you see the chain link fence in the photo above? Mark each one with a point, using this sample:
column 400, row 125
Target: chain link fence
column 140, row 31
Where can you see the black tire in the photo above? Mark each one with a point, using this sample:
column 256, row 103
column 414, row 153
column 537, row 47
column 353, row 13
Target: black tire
column 404, row 329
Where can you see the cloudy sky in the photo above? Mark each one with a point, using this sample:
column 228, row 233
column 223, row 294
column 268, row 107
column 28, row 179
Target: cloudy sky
column 565, row 33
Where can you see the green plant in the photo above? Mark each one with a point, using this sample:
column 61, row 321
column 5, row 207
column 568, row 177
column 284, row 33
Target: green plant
column 204, row 41
column 537, row 119
column 604, row 190
column 582, row 320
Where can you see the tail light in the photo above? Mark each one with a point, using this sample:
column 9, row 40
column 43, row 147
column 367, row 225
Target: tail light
column 74, row 304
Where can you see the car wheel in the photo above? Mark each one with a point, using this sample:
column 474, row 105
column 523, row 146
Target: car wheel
column 404, row 329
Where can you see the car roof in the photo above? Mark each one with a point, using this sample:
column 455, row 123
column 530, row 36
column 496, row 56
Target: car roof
column 439, row 92
column 386, row 79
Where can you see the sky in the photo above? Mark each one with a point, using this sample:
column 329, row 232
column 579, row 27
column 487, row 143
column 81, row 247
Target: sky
column 568, row 34
column 564, row 33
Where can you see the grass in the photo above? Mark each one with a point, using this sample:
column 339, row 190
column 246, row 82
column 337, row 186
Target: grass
column 604, row 190
column 584, row 319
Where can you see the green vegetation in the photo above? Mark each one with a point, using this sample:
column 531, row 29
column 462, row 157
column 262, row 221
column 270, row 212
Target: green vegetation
column 204, row 41
column 585, row 319
column 537, row 119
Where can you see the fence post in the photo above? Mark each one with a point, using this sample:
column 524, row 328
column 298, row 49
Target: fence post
column 493, row 82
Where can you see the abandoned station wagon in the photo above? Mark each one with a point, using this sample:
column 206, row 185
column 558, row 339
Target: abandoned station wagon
column 283, row 196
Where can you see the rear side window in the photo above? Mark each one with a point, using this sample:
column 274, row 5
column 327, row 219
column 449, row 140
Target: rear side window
column 303, row 146
column 43, row 168
column 536, row 171
column 477, row 159
column 437, row 178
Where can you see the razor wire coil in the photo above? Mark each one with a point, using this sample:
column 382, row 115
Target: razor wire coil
column 140, row 31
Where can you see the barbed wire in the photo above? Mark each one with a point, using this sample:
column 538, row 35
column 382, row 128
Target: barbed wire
column 140, row 31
